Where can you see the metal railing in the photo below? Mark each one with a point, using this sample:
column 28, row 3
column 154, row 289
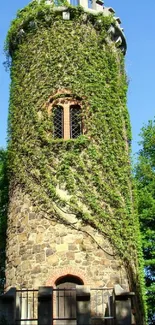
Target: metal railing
column 102, row 308
column 65, row 306
column 27, row 307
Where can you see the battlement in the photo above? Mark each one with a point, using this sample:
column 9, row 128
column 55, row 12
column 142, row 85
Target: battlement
column 95, row 7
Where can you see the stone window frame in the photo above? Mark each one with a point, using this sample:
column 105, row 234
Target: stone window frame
column 66, row 100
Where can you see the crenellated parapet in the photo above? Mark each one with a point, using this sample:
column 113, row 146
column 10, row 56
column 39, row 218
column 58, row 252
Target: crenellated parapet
column 115, row 31
column 97, row 6
column 28, row 19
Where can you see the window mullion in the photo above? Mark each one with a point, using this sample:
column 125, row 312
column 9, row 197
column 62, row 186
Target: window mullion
column 66, row 122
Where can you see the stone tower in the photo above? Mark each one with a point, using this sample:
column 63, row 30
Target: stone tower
column 71, row 211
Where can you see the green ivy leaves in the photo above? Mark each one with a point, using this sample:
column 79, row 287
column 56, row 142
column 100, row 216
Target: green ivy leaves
column 92, row 170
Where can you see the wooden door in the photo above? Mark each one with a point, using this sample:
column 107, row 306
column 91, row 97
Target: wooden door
column 66, row 304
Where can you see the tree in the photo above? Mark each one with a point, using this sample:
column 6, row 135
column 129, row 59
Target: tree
column 145, row 176
column 3, row 213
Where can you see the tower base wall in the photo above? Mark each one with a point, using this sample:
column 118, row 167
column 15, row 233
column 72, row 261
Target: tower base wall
column 42, row 249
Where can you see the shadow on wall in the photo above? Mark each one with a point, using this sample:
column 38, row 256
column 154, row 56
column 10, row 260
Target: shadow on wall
column 79, row 307
column 138, row 304
column 4, row 190
column 73, row 307
column 62, row 306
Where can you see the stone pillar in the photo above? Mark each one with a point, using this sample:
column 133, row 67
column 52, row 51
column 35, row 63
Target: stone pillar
column 8, row 306
column 45, row 306
column 123, row 312
column 123, row 306
column 83, row 304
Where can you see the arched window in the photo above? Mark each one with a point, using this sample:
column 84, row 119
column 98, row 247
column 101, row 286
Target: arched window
column 58, row 122
column 75, row 121
column 66, row 115
column 71, row 279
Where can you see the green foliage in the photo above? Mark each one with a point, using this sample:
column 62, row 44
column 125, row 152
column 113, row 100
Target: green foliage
column 3, row 213
column 145, row 175
column 49, row 54
column 40, row 13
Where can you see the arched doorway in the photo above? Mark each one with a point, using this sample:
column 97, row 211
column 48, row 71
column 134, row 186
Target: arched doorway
column 66, row 299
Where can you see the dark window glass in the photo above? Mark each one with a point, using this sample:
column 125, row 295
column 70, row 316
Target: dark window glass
column 58, row 121
column 75, row 121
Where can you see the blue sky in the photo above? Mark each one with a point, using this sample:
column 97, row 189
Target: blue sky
column 139, row 25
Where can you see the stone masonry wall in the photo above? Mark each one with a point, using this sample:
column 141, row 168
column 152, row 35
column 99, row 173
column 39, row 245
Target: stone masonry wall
column 40, row 250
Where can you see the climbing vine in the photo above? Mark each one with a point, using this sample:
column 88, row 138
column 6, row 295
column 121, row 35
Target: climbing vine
column 3, row 213
column 49, row 54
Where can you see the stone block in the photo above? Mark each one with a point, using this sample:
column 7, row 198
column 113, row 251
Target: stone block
column 12, row 273
column 25, row 265
column 20, row 229
column 39, row 238
column 105, row 262
column 62, row 248
column 32, row 215
column 69, row 238
column 49, row 252
column 32, row 237
column 80, row 257
column 37, row 249
column 78, row 240
column 16, row 261
column 22, row 237
column 40, row 257
column 73, row 247
column 52, row 260
column 36, row 269
column 41, row 229
column 70, row 255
